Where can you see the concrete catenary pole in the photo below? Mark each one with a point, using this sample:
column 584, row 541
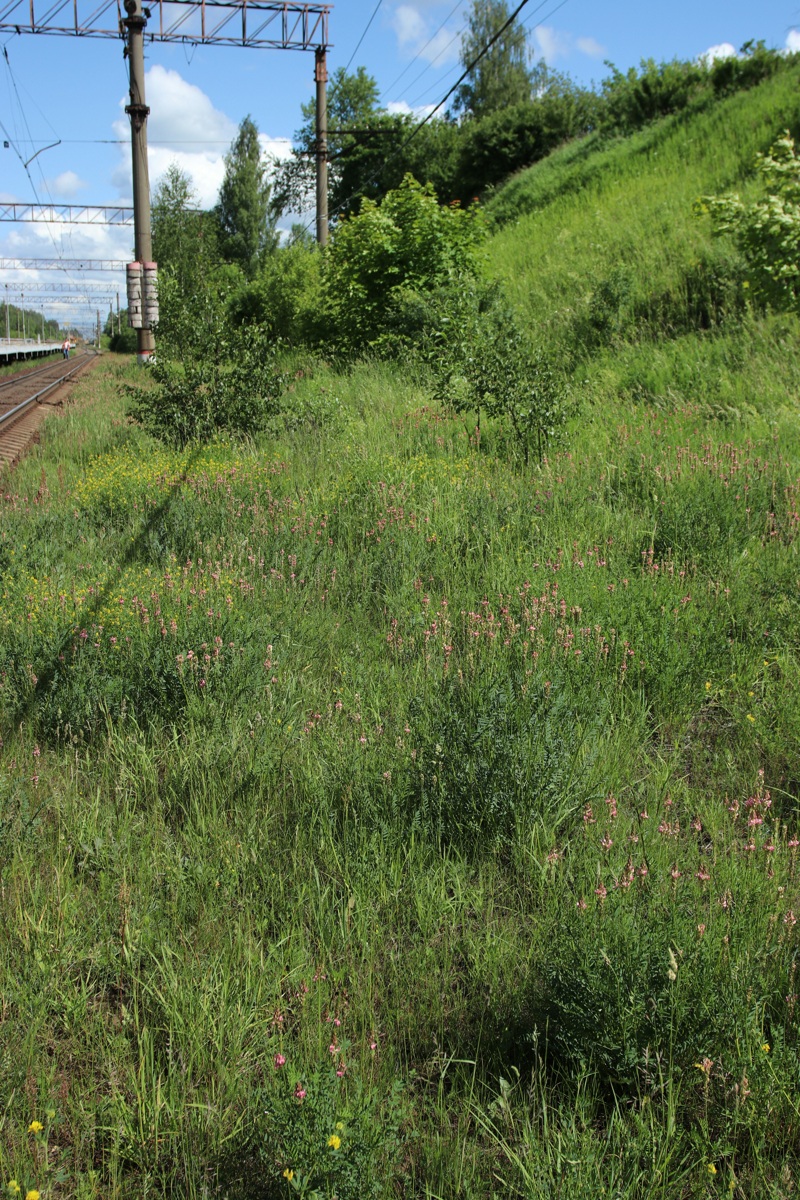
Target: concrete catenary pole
column 321, row 77
column 138, row 112
column 119, row 320
column 8, row 320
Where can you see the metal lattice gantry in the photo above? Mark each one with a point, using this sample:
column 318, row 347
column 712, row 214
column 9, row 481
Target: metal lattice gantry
column 255, row 23
column 62, row 264
column 54, row 304
column 46, row 289
column 70, row 214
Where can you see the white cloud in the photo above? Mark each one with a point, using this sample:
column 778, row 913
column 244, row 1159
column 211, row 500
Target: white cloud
column 67, row 184
column 551, row 44
column 722, row 50
column 793, row 41
column 416, row 35
column 185, row 129
column 591, row 47
column 181, row 112
column 275, row 149
column 404, row 109
column 409, row 25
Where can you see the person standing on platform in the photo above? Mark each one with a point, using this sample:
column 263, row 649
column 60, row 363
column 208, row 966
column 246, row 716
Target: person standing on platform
column 65, row 347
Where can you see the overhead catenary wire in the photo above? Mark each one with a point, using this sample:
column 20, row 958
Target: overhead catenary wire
column 423, row 48
column 26, row 164
column 441, row 78
column 363, row 35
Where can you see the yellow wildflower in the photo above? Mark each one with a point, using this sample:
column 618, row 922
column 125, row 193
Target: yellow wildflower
column 712, row 1170
column 13, row 1187
column 765, row 1047
column 334, row 1141
column 750, row 717
column 32, row 1194
column 35, row 1127
column 288, row 1174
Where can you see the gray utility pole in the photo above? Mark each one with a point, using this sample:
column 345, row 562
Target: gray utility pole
column 321, row 77
column 98, row 329
column 119, row 322
column 138, row 112
column 8, row 322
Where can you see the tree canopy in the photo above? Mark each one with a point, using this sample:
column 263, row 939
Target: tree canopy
column 501, row 77
column 246, row 226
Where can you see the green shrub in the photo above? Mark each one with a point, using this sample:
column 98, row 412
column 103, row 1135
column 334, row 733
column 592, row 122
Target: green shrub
column 286, row 297
column 124, row 342
column 208, row 378
column 767, row 231
column 483, row 362
column 408, row 241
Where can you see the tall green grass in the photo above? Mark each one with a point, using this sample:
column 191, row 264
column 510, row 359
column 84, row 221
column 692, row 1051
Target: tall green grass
column 599, row 240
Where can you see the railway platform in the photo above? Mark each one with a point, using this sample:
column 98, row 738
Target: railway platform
column 18, row 350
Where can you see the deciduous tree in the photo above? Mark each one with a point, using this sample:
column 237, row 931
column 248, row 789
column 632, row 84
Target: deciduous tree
column 502, row 76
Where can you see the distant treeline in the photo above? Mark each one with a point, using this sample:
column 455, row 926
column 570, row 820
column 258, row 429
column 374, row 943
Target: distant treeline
column 17, row 322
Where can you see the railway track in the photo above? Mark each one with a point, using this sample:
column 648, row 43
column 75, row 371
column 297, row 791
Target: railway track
column 24, row 399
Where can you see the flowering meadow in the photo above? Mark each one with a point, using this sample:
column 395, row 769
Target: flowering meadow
column 382, row 818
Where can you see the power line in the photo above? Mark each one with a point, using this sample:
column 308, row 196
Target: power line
column 455, row 68
column 434, row 61
column 422, row 49
column 364, row 34
column 25, row 165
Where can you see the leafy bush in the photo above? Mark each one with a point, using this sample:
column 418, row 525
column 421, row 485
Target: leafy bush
column 491, row 149
column 753, row 64
column 767, row 231
column 483, row 361
column 635, row 98
column 407, row 241
column 207, row 378
column 286, row 297
column 124, row 342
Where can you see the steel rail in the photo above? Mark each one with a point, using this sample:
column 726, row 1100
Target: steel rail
column 15, row 379
column 8, row 419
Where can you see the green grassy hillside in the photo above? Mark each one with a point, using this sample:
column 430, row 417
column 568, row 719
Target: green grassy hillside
column 380, row 817
column 600, row 221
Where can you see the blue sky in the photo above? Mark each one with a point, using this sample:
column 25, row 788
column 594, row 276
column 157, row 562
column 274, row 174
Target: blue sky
column 74, row 90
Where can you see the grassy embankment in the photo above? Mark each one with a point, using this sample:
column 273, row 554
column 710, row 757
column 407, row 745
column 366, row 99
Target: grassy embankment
column 375, row 812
